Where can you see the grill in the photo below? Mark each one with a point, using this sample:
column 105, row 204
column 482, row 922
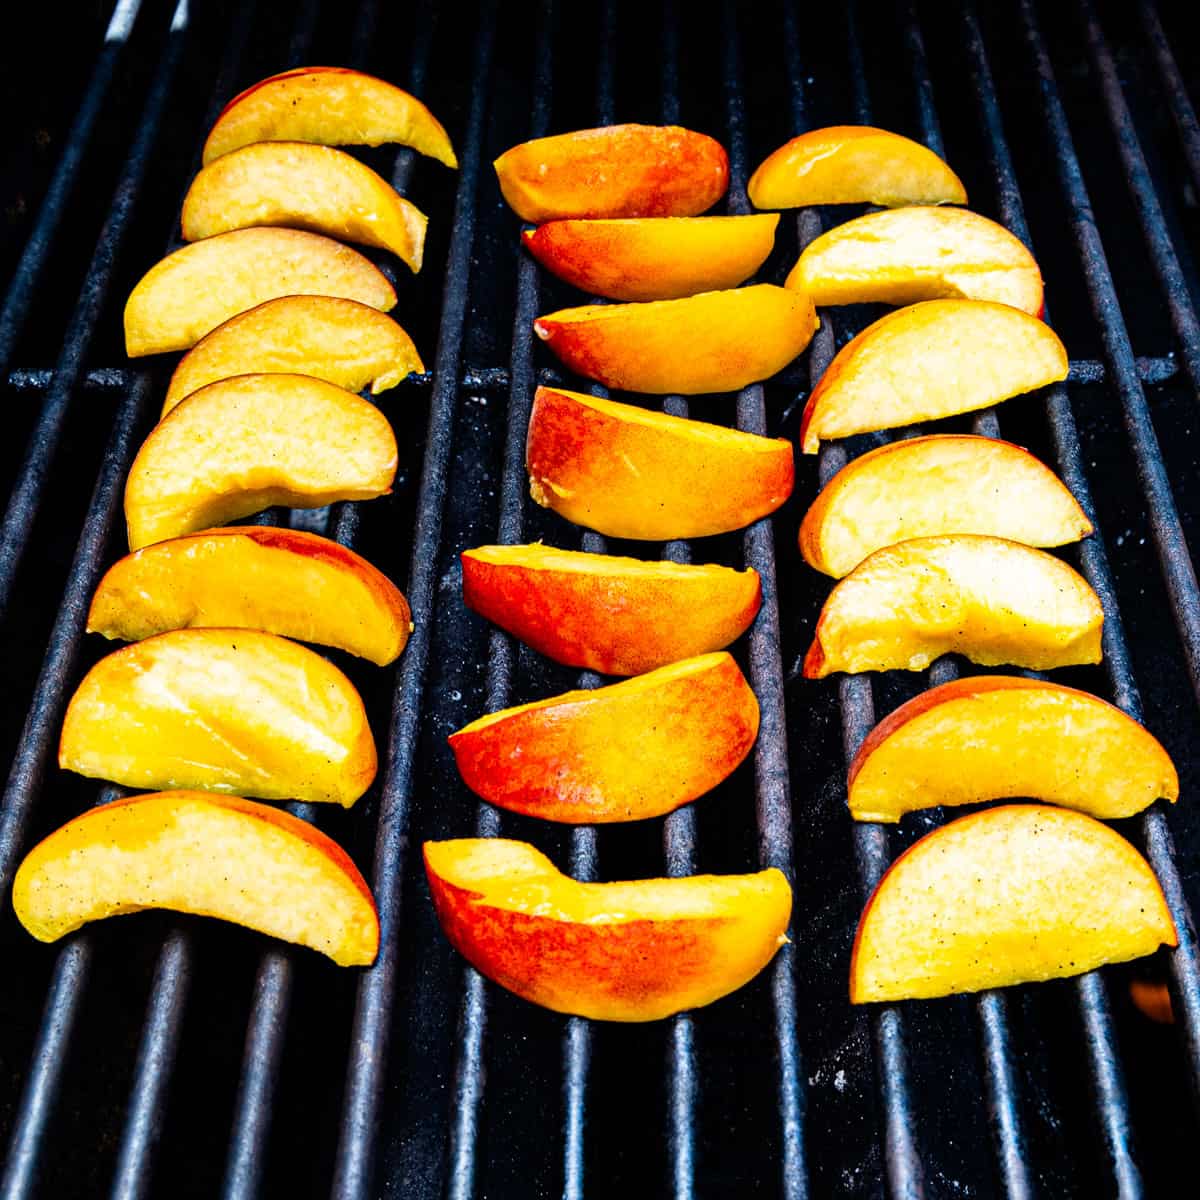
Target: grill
column 158, row 1056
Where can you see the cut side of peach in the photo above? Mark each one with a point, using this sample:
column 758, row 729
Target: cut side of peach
column 243, row 444
column 992, row 737
column 636, row 749
column 992, row 600
column 853, row 164
column 634, row 951
column 618, row 616
column 215, row 856
column 282, row 581
column 1009, row 895
column 195, row 289
column 629, row 472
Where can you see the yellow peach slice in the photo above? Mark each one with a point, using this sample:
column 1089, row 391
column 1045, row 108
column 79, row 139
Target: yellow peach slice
column 853, row 164
column 195, row 289
column 282, row 581
column 243, row 444
column 330, row 105
column 629, row 472
column 926, row 486
column 1009, row 895
column 993, row 600
column 215, row 856
column 994, row 737
column 654, row 258
column 618, row 616
column 634, row 951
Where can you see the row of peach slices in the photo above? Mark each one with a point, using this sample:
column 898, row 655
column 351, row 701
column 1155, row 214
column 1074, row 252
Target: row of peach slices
column 283, row 326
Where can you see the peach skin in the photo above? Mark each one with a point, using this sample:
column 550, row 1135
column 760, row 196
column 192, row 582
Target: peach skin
column 1017, row 894
column 215, row 856
column 243, row 444
column 853, row 164
column 221, row 710
column 995, row 737
column 634, row 951
column 614, row 171
column 330, row 105
column 195, row 289
column 282, row 581
column 632, row 750
column 941, row 484
column 1152, row 999
column 992, row 600
column 654, row 258
column 618, row 616
column 633, row 473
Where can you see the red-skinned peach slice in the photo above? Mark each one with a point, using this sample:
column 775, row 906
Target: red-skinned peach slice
column 654, row 258
column 629, row 472
column 1152, row 999
column 282, row 581
column 243, row 444
column 992, row 600
column 853, row 164
column 195, row 289
column 618, row 616
column 995, row 737
column 215, row 856
column 941, row 484
column 614, row 171
column 713, row 342
column 1016, row 894
column 904, row 255
column 636, row 749
column 634, row 951
column 333, row 106
column 223, row 710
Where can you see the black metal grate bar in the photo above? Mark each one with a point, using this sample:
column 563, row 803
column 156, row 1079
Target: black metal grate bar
column 1178, row 99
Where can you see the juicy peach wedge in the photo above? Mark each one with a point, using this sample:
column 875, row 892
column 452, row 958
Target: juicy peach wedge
column 618, row 616
column 215, row 856
column 221, row 710
column 992, row 600
column 282, row 581
column 995, row 737
column 654, row 258
column 1010, row 895
column 195, row 289
column 629, row 472
column 333, row 106
column 635, row 951
column 614, row 171
column 853, row 164
column 713, row 342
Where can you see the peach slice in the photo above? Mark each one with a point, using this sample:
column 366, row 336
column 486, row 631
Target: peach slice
column 713, row 342
column 610, row 951
column 330, row 105
column 195, row 289
column 992, row 600
column 1153, row 1000
column 629, row 472
column 283, row 581
column 1016, row 894
column 222, row 710
column 994, row 737
column 655, row 258
column 614, row 171
column 636, row 749
column 243, row 444
column 215, row 856
column 944, row 483
column 618, row 616
column 853, row 164
column 307, row 187
column 907, row 254
column 340, row 341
